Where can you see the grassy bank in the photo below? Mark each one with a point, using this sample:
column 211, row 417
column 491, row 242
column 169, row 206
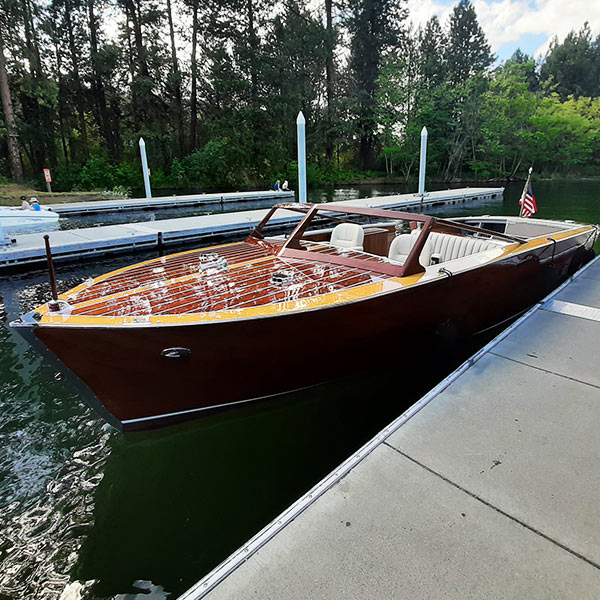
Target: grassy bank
column 10, row 195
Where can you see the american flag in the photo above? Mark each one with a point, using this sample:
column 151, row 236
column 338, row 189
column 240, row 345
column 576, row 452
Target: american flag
column 527, row 201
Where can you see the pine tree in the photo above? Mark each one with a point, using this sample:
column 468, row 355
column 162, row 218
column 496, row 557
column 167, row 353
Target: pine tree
column 375, row 27
column 432, row 44
column 573, row 67
column 14, row 151
column 467, row 52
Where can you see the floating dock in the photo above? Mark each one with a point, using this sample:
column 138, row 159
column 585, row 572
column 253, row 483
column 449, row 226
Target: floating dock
column 28, row 250
column 68, row 209
column 488, row 487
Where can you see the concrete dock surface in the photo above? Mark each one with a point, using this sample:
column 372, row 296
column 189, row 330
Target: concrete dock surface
column 488, row 487
column 28, row 249
column 125, row 204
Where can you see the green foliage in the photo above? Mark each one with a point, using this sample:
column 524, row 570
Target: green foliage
column 225, row 117
column 468, row 52
column 216, row 164
column 97, row 174
column 507, row 111
column 573, row 67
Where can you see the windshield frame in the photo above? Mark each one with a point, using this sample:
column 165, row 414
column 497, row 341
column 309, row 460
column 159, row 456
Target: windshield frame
column 293, row 249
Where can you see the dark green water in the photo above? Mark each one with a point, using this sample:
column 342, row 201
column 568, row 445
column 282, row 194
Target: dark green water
column 145, row 515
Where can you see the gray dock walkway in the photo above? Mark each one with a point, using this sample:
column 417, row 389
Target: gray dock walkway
column 488, row 487
column 95, row 241
column 68, row 209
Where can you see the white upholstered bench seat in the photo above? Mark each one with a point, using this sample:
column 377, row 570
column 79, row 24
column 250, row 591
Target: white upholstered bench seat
column 445, row 246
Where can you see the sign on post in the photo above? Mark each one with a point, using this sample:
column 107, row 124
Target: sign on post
column 48, row 179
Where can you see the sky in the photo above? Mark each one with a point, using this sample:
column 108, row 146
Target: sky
column 510, row 24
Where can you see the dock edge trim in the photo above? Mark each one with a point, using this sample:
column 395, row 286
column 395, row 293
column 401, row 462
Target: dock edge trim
column 230, row 564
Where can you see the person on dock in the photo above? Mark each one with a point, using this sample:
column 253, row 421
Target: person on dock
column 285, row 187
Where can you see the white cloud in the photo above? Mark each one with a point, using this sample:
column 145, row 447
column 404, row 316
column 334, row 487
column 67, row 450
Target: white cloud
column 505, row 21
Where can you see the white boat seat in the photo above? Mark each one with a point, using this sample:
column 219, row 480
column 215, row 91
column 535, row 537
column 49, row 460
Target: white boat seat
column 442, row 246
column 348, row 235
column 402, row 245
column 451, row 247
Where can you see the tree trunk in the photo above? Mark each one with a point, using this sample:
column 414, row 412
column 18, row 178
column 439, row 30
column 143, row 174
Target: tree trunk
column 176, row 83
column 131, row 61
column 32, row 50
column 253, row 43
column 61, row 86
column 194, row 97
column 39, row 114
column 329, row 79
column 98, row 86
column 134, row 14
column 78, row 89
column 14, row 153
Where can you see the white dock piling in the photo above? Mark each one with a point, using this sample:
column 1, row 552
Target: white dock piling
column 301, row 127
column 145, row 171
column 423, row 161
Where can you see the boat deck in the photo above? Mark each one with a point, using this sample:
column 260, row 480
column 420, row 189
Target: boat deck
column 201, row 281
column 488, row 487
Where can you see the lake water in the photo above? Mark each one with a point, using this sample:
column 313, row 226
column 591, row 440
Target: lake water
column 145, row 515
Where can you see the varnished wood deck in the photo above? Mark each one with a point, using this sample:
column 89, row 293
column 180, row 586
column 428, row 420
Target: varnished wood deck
column 199, row 281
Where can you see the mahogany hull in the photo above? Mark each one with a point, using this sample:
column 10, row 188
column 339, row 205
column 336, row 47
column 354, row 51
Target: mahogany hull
column 239, row 360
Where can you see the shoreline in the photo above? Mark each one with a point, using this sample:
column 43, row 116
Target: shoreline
column 10, row 193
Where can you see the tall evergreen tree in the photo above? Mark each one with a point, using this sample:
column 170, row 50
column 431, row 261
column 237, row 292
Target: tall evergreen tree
column 174, row 84
column 573, row 67
column 432, row 44
column 14, row 151
column 375, row 27
column 467, row 51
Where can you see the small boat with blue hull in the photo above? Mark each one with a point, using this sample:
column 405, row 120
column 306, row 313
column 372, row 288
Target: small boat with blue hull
column 177, row 336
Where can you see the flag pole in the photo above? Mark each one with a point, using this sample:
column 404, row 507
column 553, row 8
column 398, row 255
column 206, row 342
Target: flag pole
column 522, row 201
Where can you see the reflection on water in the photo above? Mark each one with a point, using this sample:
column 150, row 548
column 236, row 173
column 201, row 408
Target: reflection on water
column 190, row 494
column 145, row 515
column 51, row 457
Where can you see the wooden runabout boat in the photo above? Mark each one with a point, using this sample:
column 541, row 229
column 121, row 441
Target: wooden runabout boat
column 173, row 337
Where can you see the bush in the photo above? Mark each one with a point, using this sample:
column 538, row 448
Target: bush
column 98, row 173
column 118, row 191
column 216, row 164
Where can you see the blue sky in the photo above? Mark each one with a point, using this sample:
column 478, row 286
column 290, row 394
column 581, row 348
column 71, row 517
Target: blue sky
column 511, row 24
